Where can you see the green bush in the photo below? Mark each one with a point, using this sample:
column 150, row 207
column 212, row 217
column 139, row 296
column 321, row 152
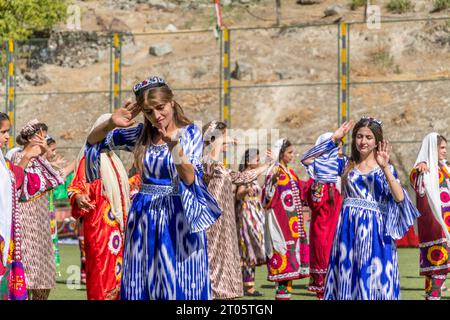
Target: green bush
column 400, row 6
column 20, row 18
column 441, row 5
column 355, row 4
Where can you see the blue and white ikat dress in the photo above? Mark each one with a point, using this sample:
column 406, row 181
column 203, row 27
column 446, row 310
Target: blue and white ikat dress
column 363, row 262
column 165, row 253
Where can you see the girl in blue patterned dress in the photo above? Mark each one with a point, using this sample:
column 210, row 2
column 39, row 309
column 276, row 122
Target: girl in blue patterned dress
column 165, row 254
column 376, row 211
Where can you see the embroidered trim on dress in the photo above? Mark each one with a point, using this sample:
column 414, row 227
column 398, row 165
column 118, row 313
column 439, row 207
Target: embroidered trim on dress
column 316, row 289
column 318, row 270
column 285, row 296
column 444, row 266
column 430, row 243
column 162, row 190
column 365, row 204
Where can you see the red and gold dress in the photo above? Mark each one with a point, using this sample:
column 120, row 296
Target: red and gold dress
column 434, row 250
column 325, row 202
column 103, row 237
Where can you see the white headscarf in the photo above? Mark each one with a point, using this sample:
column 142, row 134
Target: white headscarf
column 429, row 153
column 6, row 206
column 110, row 186
column 274, row 239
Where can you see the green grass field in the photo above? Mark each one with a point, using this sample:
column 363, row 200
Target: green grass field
column 412, row 284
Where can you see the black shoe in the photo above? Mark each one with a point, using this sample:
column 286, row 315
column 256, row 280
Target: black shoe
column 255, row 293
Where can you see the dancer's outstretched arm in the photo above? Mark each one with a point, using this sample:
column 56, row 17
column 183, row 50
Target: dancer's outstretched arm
column 337, row 136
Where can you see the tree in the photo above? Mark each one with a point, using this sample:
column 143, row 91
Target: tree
column 20, row 18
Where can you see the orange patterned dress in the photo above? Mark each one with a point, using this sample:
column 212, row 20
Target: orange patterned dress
column 103, row 237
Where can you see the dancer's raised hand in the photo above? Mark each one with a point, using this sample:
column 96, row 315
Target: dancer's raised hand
column 269, row 156
column 422, row 167
column 383, row 153
column 123, row 117
column 342, row 131
column 38, row 140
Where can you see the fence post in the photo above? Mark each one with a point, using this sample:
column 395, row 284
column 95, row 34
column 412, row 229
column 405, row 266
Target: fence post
column 111, row 99
column 226, row 76
column 117, row 46
column 11, row 92
column 226, row 82
column 343, row 72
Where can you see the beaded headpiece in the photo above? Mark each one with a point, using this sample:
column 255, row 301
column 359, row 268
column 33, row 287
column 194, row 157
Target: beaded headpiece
column 30, row 128
column 372, row 120
column 151, row 82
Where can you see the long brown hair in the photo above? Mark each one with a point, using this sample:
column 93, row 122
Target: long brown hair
column 286, row 144
column 355, row 156
column 151, row 98
column 3, row 117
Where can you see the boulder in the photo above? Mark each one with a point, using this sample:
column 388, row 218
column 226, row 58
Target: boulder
column 36, row 78
column 334, row 10
column 160, row 49
column 171, row 28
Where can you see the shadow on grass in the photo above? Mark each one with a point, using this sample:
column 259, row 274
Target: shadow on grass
column 294, row 292
column 411, row 289
column 63, row 281
column 295, row 286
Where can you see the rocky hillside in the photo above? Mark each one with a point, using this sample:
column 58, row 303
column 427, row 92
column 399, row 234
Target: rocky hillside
column 277, row 67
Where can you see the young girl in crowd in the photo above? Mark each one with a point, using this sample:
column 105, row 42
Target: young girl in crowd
column 286, row 240
column 250, row 224
column 37, row 246
column 13, row 181
column 223, row 249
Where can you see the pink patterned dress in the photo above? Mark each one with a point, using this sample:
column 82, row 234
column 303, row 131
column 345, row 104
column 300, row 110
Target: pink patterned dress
column 37, row 246
column 223, row 248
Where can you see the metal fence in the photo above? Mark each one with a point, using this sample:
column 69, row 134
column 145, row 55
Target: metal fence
column 303, row 76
